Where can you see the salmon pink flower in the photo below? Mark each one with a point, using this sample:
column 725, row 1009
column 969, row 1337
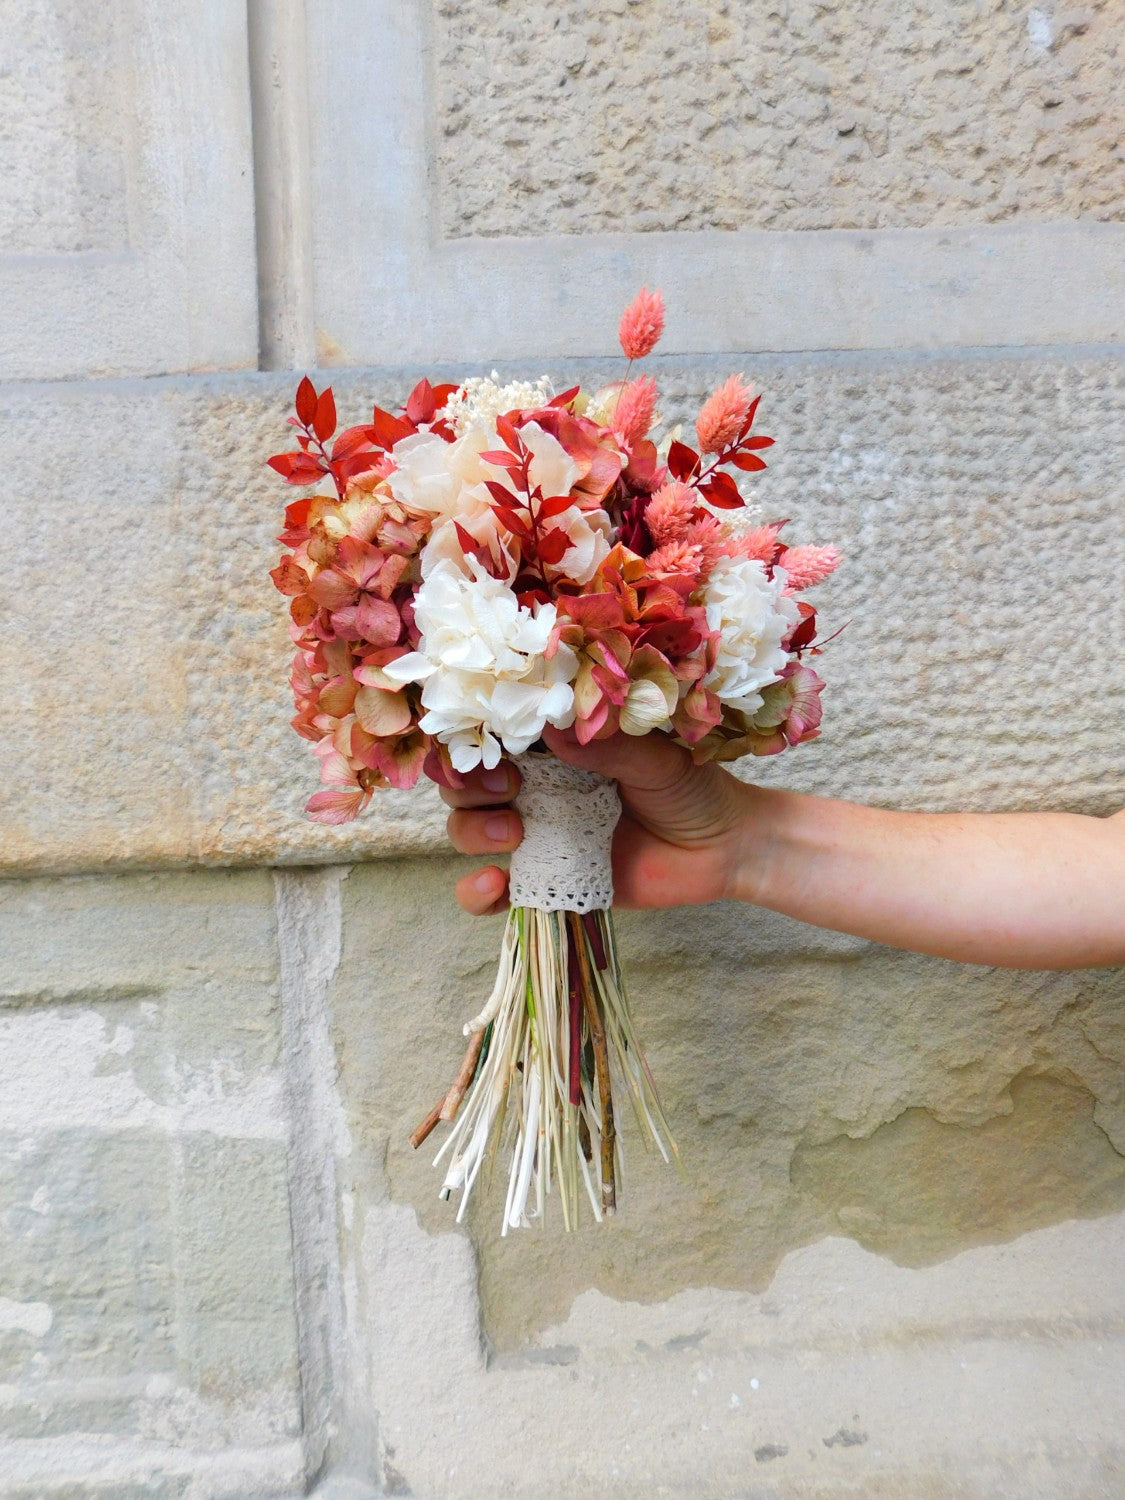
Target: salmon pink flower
column 808, row 565
column 344, row 798
column 642, row 323
column 670, row 511
column 635, row 410
column 722, row 415
column 355, row 592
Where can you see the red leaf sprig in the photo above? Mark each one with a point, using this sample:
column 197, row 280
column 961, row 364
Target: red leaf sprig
column 713, row 483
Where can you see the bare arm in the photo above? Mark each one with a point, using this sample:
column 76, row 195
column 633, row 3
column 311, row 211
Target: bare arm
column 1021, row 890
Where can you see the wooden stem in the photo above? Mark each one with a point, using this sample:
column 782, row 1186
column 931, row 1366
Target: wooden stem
column 428, row 1124
column 452, row 1101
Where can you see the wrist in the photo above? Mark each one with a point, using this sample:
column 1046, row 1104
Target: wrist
column 757, row 843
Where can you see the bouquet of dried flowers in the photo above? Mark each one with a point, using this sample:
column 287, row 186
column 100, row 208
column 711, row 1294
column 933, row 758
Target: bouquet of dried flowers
column 495, row 558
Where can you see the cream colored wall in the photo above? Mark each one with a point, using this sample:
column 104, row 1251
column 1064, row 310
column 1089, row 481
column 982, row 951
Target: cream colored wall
column 893, row 1266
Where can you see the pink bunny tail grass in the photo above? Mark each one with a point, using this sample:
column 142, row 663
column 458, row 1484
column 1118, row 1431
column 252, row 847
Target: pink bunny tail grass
column 759, row 543
column 669, row 512
column 723, row 414
column 636, row 408
column 808, row 565
column 642, row 323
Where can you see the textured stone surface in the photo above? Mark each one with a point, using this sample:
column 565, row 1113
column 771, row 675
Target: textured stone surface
column 62, row 72
column 143, row 660
column 126, row 195
column 391, row 289
column 902, row 1208
column 715, row 115
column 146, row 1291
column 816, row 1085
column 889, row 1270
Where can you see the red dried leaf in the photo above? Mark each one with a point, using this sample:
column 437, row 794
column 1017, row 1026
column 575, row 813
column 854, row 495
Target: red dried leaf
column 554, row 546
column 804, row 634
column 683, row 462
column 471, row 547
column 297, row 468
column 749, row 420
column 350, row 440
column 513, row 521
column 387, row 430
column 501, row 458
column 499, row 492
column 554, row 505
column 722, row 491
column 564, row 398
column 420, row 403
column 324, row 422
column 510, row 435
column 306, row 402
column 757, row 442
column 749, row 463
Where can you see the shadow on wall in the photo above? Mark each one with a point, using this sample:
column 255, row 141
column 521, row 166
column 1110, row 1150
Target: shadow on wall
column 816, row 1085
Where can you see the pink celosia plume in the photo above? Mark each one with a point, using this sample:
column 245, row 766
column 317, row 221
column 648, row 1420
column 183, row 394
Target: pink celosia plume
column 808, row 565
column 636, row 408
column 642, row 323
column 670, row 510
column 723, row 414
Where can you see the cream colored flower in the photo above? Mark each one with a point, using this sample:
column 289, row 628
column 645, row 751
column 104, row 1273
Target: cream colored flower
column 487, row 684
column 753, row 615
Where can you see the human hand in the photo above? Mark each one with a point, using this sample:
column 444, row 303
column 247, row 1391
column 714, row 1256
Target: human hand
column 678, row 841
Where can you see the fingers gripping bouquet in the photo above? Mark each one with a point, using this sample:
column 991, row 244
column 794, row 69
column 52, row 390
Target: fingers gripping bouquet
column 497, row 558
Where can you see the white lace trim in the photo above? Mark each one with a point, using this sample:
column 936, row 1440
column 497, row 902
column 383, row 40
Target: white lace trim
column 563, row 862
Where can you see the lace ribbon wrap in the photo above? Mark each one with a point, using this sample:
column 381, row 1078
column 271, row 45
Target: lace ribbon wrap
column 563, row 863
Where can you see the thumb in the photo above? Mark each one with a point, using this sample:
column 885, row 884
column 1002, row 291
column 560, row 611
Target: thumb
column 648, row 761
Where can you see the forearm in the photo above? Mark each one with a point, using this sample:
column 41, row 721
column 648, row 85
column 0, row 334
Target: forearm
column 1025, row 890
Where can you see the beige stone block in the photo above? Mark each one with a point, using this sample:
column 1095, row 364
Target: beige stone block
column 126, row 190
column 146, row 1286
column 891, row 1266
column 572, row 120
column 815, row 1084
column 143, row 663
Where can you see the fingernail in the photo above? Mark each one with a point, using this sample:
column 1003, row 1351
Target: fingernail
column 495, row 780
column 498, row 827
column 485, row 881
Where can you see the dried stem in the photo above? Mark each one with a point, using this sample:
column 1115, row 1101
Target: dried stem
column 601, row 1068
column 428, row 1124
column 452, row 1101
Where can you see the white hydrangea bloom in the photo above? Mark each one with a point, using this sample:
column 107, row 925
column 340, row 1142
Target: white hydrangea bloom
column 479, row 401
column 487, row 684
column 754, row 616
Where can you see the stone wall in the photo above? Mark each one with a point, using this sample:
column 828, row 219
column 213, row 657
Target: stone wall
column 893, row 1265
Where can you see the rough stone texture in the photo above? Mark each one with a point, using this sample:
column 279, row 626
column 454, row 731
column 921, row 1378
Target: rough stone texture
column 568, row 119
column 63, row 74
column 816, row 1085
column 151, row 657
column 391, row 290
column 146, row 1287
column 126, row 196
column 902, row 1210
